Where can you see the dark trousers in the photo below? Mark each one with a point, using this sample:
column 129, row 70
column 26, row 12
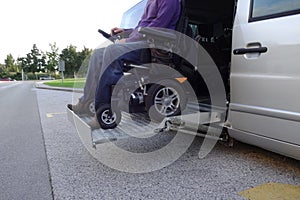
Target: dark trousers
column 112, row 75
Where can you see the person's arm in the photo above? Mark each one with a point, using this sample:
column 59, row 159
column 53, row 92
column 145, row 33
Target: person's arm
column 116, row 30
column 166, row 11
column 124, row 33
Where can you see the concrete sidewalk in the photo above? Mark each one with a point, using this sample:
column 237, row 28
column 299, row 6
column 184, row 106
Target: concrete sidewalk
column 41, row 85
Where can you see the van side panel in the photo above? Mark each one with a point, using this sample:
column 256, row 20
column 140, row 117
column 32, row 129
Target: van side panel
column 265, row 93
column 277, row 146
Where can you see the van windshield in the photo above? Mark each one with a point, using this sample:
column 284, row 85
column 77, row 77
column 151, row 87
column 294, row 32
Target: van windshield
column 132, row 16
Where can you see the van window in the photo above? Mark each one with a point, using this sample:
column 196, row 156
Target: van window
column 266, row 9
column 132, row 16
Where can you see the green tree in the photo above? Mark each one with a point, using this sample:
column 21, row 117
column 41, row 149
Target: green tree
column 69, row 55
column 2, row 71
column 36, row 60
column 22, row 62
column 52, row 58
column 10, row 64
column 83, row 61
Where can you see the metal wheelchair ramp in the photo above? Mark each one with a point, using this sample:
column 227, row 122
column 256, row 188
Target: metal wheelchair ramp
column 131, row 125
column 136, row 125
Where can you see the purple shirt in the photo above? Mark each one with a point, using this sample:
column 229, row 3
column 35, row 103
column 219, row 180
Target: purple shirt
column 159, row 14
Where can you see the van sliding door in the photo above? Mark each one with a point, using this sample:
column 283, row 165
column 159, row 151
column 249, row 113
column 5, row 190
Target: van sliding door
column 265, row 73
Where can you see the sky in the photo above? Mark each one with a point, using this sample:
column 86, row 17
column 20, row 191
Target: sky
column 41, row 22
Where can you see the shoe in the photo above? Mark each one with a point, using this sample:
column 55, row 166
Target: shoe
column 80, row 108
column 93, row 123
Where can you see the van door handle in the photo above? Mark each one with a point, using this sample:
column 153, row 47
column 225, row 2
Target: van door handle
column 250, row 50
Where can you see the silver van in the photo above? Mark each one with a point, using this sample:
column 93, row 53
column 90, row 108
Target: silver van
column 256, row 46
column 264, row 107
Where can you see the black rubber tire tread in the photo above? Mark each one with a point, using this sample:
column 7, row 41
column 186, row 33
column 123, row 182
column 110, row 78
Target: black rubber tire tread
column 107, row 108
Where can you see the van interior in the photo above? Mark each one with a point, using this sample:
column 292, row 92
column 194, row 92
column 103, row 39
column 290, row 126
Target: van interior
column 212, row 23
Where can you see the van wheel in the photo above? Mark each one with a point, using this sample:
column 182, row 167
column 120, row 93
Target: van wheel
column 165, row 99
column 107, row 118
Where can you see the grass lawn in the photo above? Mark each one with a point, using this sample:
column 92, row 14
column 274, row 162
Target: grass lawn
column 71, row 83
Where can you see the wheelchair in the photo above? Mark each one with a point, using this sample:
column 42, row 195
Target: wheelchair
column 156, row 89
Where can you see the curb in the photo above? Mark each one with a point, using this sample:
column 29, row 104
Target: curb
column 41, row 85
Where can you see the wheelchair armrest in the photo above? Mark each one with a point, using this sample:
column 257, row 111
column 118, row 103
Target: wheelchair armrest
column 157, row 34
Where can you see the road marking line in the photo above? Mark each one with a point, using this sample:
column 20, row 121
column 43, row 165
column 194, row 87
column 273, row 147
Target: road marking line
column 272, row 191
column 50, row 115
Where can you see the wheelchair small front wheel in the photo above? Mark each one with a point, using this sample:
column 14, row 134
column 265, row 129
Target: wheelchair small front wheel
column 91, row 108
column 165, row 99
column 108, row 118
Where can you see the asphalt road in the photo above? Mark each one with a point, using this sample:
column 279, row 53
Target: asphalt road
column 24, row 172
column 75, row 174
column 223, row 174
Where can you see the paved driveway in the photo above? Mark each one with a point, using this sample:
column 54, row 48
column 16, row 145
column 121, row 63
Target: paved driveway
column 223, row 174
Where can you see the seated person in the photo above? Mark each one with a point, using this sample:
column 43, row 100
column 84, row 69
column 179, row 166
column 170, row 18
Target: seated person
column 104, row 70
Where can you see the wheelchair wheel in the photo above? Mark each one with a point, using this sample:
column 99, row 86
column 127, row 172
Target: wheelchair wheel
column 107, row 118
column 165, row 99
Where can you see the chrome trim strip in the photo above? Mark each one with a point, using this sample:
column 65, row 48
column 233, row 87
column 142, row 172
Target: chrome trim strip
column 268, row 112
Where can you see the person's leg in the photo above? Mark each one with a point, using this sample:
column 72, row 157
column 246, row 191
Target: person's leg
column 110, row 77
column 113, row 58
column 93, row 73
